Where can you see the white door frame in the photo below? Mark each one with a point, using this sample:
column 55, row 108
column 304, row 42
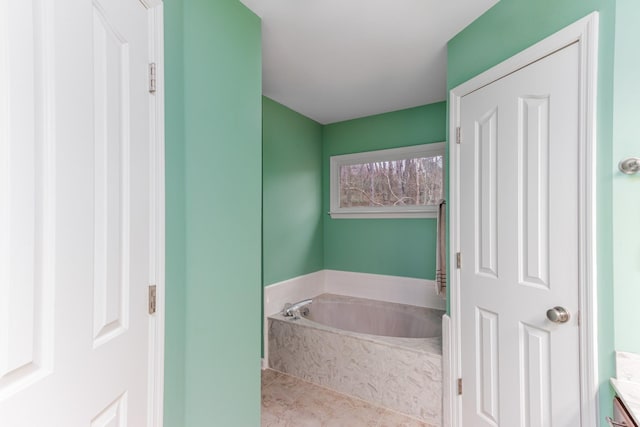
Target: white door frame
column 155, row 409
column 585, row 33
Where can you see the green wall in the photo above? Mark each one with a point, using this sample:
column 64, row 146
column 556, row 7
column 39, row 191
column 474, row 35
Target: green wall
column 175, row 274
column 292, row 193
column 511, row 26
column 626, row 189
column 297, row 237
column 398, row 247
column 214, row 242
column 213, row 115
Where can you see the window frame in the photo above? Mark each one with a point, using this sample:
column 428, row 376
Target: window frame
column 335, row 162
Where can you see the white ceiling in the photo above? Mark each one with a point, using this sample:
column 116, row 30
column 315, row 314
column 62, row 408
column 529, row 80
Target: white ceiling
column 335, row 60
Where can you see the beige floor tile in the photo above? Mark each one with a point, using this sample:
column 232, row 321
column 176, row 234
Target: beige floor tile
column 276, row 396
column 352, row 419
column 274, row 415
column 393, row 419
column 291, row 402
column 268, row 375
column 315, row 406
column 354, row 412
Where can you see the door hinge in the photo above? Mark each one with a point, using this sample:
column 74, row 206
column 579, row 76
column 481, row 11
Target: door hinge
column 458, row 262
column 459, row 386
column 152, row 77
column 152, row 299
column 458, row 135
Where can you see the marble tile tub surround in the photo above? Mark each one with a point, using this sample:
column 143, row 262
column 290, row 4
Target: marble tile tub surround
column 380, row 370
column 629, row 393
column 291, row 402
column 401, row 290
column 628, row 366
column 447, row 390
column 627, row 383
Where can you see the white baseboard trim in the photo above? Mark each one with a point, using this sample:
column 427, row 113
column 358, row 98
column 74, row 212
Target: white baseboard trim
column 401, row 290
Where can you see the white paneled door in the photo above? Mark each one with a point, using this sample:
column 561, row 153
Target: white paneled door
column 75, row 213
column 519, row 228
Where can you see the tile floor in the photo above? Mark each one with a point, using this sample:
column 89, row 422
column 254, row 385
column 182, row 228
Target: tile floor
column 291, row 402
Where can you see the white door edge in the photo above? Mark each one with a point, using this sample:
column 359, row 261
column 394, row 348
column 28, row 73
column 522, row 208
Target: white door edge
column 585, row 33
column 157, row 320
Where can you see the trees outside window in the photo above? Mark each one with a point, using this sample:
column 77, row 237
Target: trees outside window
column 401, row 182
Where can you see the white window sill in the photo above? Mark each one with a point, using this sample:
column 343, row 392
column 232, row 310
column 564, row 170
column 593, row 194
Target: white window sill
column 379, row 215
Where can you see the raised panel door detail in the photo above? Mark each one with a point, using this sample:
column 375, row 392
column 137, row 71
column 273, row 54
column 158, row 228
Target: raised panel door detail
column 114, row 415
column 112, row 180
column 488, row 392
column 535, row 376
column 486, row 194
column 26, row 198
column 540, row 257
column 533, row 146
column 77, row 346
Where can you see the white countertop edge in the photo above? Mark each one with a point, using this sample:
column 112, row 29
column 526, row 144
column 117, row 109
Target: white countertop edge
column 629, row 393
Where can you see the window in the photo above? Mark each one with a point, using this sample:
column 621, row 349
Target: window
column 402, row 182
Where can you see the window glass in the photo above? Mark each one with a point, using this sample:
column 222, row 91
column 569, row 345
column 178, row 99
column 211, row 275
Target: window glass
column 401, row 182
column 416, row 181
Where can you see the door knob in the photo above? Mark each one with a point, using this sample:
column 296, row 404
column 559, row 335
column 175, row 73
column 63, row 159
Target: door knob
column 558, row 315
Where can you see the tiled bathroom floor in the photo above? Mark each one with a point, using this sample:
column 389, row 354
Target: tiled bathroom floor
column 291, row 402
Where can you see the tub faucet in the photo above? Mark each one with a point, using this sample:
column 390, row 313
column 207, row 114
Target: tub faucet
column 290, row 310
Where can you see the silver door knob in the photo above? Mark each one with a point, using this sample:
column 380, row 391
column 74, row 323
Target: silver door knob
column 558, row 315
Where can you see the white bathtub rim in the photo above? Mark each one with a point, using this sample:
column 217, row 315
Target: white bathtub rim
column 430, row 344
column 396, row 289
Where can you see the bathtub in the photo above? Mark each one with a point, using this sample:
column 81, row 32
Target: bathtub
column 385, row 353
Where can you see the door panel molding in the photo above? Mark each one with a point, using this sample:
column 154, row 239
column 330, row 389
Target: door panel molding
column 536, row 374
column 113, row 415
column 112, row 180
column 27, row 218
column 584, row 32
column 487, row 361
column 486, row 202
column 533, row 144
column 69, row 230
